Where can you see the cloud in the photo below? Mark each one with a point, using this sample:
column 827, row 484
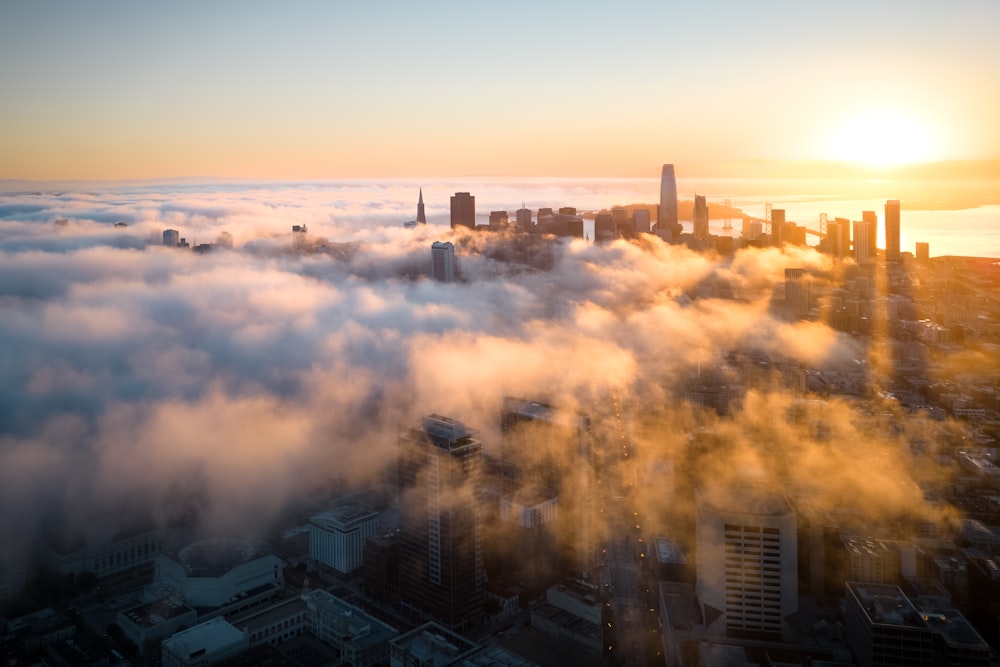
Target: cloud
column 143, row 375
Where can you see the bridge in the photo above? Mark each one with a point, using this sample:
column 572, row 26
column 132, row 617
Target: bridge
column 765, row 221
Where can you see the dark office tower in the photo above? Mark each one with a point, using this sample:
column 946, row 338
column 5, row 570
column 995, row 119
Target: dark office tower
column 777, row 227
column 421, row 216
column 871, row 218
column 605, row 228
column 797, row 292
column 567, row 210
column 700, row 217
column 667, row 215
column 892, row 230
column 842, row 242
column 548, row 448
column 463, row 210
column 523, row 218
column 440, row 563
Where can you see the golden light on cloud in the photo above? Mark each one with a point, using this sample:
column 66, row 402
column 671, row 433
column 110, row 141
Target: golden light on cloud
column 884, row 138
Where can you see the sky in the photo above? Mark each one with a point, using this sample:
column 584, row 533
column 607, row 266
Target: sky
column 261, row 90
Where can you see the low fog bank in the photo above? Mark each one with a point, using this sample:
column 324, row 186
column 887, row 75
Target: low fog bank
column 221, row 387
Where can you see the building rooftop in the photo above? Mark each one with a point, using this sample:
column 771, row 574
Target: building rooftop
column 433, row 645
column 216, row 556
column 363, row 630
column 207, row 637
column 951, row 625
column 255, row 619
column 344, row 517
column 158, row 611
column 886, row 605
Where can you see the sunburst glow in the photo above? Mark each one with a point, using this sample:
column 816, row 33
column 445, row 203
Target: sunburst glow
column 884, row 138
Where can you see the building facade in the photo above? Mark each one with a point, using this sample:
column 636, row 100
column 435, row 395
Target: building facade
column 667, row 217
column 892, row 230
column 443, row 261
column 463, row 210
column 337, row 537
column 441, row 566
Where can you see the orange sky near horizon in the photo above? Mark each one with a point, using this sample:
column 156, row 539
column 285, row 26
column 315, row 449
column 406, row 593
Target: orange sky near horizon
column 394, row 90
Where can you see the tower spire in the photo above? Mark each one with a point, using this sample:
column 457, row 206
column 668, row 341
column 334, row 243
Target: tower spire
column 421, row 218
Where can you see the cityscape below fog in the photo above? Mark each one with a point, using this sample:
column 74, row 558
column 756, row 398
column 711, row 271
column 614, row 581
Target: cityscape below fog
column 239, row 430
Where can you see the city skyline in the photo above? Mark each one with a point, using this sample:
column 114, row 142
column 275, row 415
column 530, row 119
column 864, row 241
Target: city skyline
column 125, row 92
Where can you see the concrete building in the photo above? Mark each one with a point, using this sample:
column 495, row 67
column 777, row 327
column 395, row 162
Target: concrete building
column 204, row 644
column 153, row 621
column 441, row 564
column 105, row 548
column 430, row 645
column 667, row 216
column 747, row 561
column 337, row 537
column 275, row 624
column 443, row 261
column 211, row 573
column 892, row 230
column 463, row 210
column 361, row 639
column 885, row 628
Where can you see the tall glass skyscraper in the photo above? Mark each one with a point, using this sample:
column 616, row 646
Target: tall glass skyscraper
column 668, row 200
column 892, row 230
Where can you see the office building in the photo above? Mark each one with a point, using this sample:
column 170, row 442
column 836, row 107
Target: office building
column 923, row 250
column 747, row 561
column 421, row 215
column 381, row 567
column 863, row 252
column 700, row 217
column 552, row 450
column 797, row 291
column 361, row 639
column 523, row 218
column 884, row 628
column 666, row 219
column 440, row 562
column 777, row 227
column 839, row 233
column 337, row 537
column 463, row 210
column 605, row 228
column 871, row 218
column 443, row 261
column 171, row 238
column 892, row 230
column 203, row 644
column 499, row 220
column 640, row 219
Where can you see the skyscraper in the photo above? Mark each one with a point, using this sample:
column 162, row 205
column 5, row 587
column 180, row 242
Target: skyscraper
column 892, row 230
column 748, row 562
column 171, row 237
column 871, row 217
column 523, row 218
column 463, row 210
column 862, row 237
column 421, row 216
column 667, row 217
column 441, row 567
column 443, row 261
column 700, row 217
column 777, row 227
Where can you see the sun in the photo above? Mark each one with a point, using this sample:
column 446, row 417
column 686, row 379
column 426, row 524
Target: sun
column 883, row 138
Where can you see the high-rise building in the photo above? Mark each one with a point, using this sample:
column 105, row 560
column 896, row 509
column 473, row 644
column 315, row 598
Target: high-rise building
column 892, row 230
column 797, row 291
column 923, row 250
column 640, row 217
column 871, row 217
column 463, row 210
column 777, row 227
column 421, row 215
column 171, row 237
column 605, row 228
column 862, row 237
column 538, row 440
column 700, row 217
column 441, row 567
column 443, row 261
column 337, row 537
column 667, row 215
column 747, row 557
column 499, row 220
column 523, row 218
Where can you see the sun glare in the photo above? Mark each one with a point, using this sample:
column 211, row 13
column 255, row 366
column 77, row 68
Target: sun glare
column 883, row 139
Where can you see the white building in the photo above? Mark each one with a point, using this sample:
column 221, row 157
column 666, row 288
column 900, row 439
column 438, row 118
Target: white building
column 443, row 261
column 337, row 537
column 215, row 572
column 747, row 563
